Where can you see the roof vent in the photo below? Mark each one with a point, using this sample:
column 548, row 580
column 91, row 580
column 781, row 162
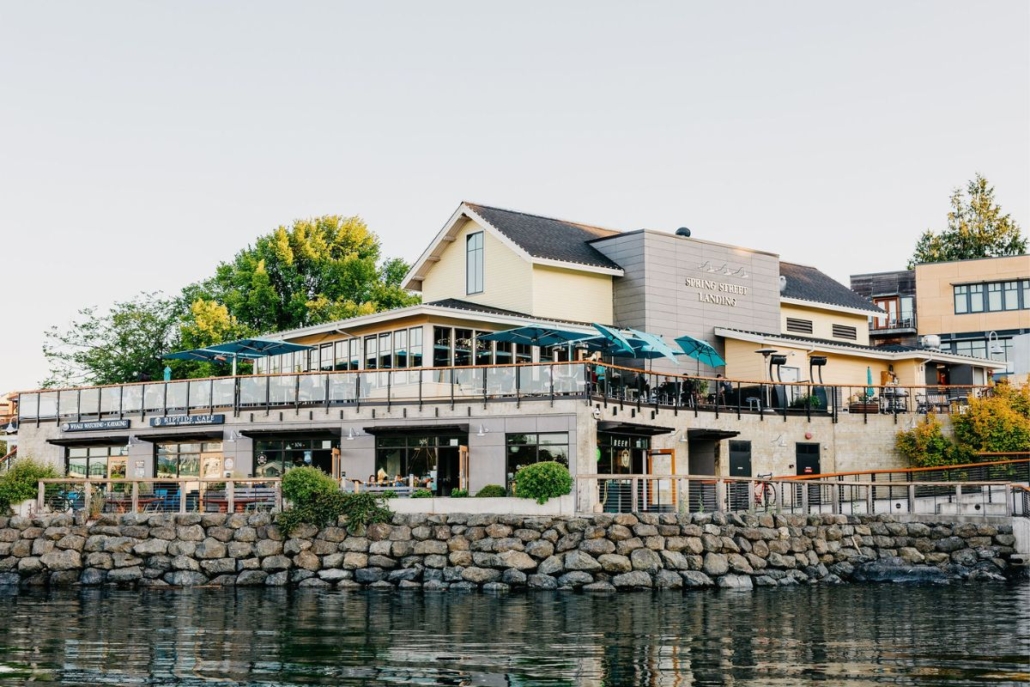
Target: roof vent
column 931, row 341
column 684, row 232
column 783, row 283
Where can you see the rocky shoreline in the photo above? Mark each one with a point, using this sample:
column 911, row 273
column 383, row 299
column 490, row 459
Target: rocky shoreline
column 597, row 553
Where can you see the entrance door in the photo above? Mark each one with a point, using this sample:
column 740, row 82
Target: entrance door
column 740, row 466
column 463, row 467
column 806, row 457
column 660, row 494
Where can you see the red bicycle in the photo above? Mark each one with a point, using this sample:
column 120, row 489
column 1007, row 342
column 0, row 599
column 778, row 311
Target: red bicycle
column 765, row 491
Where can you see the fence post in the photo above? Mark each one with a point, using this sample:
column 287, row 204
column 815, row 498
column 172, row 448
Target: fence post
column 40, row 496
column 634, row 505
column 721, row 496
column 869, row 499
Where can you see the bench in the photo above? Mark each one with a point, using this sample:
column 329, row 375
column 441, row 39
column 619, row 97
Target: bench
column 933, row 403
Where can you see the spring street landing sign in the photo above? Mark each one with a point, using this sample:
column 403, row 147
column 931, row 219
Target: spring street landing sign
column 718, row 292
column 186, row 420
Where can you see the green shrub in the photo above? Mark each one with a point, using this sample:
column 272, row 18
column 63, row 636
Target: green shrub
column 422, row 494
column 491, row 490
column 459, row 493
column 325, row 508
column 301, row 485
column 542, row 481
column 21, row 482
column 925, row 445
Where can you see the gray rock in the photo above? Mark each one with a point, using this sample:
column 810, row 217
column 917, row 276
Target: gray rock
column 62, row 560
column 575, row 578
column 276, row 563
column 541, row 582
column 279, row 579
column 696, row 579
column 251, row 578
column 735, row 582
column 513, row 577
column 896, row 570
column 715, row 564
column 579, row 560
column 369, row 575
column 89, row 577
column 496, row 588
column 668, row 579
column 122, row 575
column 637, row 579
column 600, row 588
column 645, row 560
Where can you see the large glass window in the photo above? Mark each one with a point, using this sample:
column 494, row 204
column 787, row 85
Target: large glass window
column 976, row 298
column 908, row 311
column 432, row 462
column 474, row 263
column 526, row 449
column 386, row 350
column 371, row 353
column 463, row 342
column 1011, row 289
column 400, row 345
column 415, row 342
column 994, row 294
column 326, row 361
column 96, row 462
column 276, row 456
column 194, row 459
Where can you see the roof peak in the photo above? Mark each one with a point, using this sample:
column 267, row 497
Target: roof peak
column 539, row 216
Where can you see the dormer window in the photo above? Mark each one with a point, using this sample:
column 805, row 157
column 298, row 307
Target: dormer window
column 474, row 263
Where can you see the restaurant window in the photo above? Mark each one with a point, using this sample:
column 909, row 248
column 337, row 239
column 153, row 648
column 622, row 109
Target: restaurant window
column 96, row 462
column 432, row 462
column 621, row 454
column 526, row 449
column 463, row 342
column 371, row 355
column 194, row 459
column 441, row 346
column 400, row 348
column 503, row 355
column 523, row 354
column 385, row 350
column 484, row 350
column 474, row 263
column 415, row 344
column 342, row 353
column 274, row 457
column 326, row 361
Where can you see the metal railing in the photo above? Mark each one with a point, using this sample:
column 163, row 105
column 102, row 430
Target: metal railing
column 605, row 384
column 160, row 495
column 698, row 494
column 6, row 461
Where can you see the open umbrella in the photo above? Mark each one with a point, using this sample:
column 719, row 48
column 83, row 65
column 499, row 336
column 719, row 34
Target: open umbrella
column 535, row 335
column 617, row 339
column 869, row 380
column 702, row 351
column 652, row 346
column 248, row 349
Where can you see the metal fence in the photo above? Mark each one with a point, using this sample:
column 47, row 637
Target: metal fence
column 698, row 494
column 161, row 495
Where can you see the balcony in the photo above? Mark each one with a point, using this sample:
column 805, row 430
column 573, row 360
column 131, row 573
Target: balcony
column 885, row 327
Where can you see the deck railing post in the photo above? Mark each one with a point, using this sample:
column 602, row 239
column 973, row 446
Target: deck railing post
column 634, row 505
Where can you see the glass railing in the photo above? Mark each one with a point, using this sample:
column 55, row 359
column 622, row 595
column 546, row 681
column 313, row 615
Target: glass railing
column 606, row 384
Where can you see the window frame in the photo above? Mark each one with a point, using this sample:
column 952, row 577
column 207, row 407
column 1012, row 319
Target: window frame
column 474, row 263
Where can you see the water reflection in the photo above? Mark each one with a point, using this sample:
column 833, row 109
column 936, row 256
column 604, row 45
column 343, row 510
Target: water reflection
column 854, row 635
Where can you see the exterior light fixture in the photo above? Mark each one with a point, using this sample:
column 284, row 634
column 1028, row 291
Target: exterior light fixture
column 482, row 431
column 995, row 348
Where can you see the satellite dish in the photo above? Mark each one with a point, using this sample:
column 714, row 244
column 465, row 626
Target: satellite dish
column 783, row 283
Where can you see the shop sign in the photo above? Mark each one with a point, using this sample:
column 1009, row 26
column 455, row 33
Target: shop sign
column 186, row 420
column 94, row 425
column 718, row 292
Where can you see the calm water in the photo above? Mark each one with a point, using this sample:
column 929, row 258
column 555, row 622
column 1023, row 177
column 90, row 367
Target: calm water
column 856, row 635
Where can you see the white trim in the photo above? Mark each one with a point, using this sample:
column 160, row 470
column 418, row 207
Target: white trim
column 848, row 350
column 579, row 267
column 873, row 311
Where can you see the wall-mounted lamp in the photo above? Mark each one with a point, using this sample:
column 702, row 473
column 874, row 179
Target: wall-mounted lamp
column 11, row 428
column 233, row 436
column 780, row 442
column 351, row 434
column 995, row 348
column 482, row 431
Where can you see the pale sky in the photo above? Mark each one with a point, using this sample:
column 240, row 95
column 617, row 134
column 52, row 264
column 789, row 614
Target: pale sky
column 141, row 143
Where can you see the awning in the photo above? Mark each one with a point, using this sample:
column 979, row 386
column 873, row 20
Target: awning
column 90, row 441
column 313, row 432
column 710, row 434
column 613, row 427
column 182, row 437
column 416, row 429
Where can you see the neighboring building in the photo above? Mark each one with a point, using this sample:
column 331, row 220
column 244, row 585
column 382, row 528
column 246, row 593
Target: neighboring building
column 415, row 391
column 895, row 294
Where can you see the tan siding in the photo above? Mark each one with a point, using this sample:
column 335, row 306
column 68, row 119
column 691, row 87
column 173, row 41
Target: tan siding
column 506, row 279
column 935, row 306
column 823, row 321
column 568, row 295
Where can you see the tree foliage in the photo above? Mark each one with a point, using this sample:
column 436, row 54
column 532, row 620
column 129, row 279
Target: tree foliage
column 544, row 480
column 315, row 271
column 976, row 229
column 999, row 423
column 121, row 345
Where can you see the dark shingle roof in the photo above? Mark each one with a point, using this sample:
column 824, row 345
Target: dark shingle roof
column 458, row 304
column 809, row 284
column 550, row 239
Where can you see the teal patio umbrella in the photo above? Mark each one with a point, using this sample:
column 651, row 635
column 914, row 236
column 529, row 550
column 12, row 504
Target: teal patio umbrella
column 702, row 351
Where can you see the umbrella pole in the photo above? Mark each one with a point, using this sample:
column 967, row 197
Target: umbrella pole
column 233, row 364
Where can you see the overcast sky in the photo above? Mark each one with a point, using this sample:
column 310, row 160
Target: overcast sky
column 143, row 143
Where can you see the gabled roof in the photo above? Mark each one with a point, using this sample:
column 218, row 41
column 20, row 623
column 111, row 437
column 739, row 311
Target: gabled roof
column 539, row 240
column 806, row 283
column 551, row 239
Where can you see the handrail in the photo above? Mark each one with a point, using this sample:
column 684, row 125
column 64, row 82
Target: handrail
column 8, row 459
column 904, row 471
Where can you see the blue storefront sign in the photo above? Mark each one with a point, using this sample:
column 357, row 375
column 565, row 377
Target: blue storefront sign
column 94, row 425
column 186, row 420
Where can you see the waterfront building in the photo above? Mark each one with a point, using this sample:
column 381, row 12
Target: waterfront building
column 416, row 393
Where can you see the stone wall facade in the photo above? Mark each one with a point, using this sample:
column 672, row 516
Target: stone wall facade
column 498, row 553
